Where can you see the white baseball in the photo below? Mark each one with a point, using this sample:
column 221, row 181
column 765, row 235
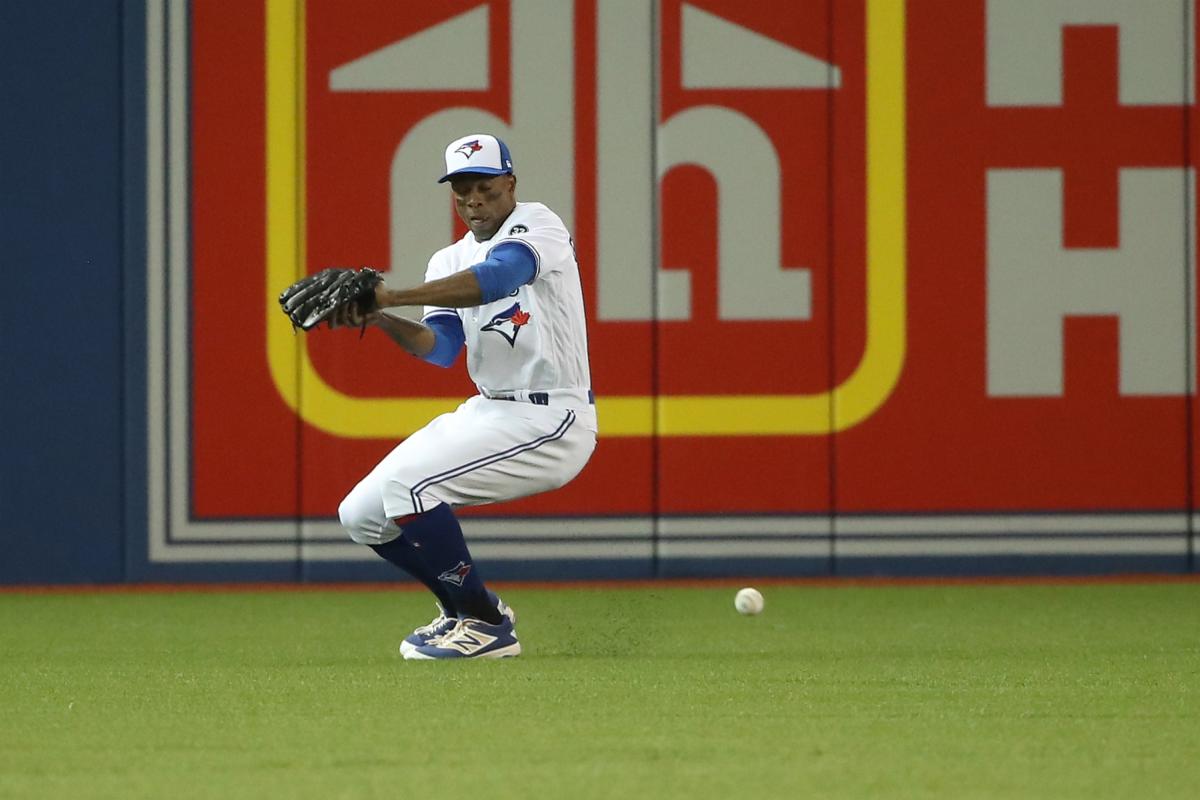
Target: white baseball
column 748, row 601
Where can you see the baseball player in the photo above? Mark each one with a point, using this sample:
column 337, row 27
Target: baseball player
column 509, row 291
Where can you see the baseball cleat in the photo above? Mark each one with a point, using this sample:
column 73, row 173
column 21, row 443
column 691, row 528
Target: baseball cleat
column 441, row 625
column 472, row 638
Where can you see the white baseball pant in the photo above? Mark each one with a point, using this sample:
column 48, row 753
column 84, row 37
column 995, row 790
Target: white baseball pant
column 486, row 451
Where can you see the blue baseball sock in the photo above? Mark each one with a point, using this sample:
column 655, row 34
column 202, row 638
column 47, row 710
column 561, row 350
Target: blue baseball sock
column 401, row 552
column 438, row 538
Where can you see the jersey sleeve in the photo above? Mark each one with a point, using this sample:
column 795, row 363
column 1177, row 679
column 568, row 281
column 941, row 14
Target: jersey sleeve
column 508, row 266
column 448, row 339
column 544, row 234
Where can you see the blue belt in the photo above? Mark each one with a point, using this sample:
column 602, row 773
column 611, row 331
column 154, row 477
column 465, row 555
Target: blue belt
column 537, row 398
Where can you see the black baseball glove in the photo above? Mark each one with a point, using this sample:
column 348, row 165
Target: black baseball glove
column 310, row 301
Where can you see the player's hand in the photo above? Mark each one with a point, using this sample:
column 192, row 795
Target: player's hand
column 348, row 316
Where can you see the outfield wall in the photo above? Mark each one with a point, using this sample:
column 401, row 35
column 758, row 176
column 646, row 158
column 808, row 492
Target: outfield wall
column 873, row 287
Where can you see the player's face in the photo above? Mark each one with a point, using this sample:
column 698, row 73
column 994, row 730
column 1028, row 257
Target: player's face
column 484, row 201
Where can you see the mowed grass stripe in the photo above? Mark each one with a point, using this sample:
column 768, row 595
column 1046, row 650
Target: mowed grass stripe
column 1085, row 691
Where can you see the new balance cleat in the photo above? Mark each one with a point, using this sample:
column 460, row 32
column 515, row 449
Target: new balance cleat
column 442, row 624
column 439, row 626
column 472, row 638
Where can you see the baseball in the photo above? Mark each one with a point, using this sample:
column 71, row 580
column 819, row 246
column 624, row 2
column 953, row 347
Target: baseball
column 748, row 601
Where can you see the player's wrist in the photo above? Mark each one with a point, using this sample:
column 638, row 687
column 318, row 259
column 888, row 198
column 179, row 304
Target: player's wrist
column 384, row 297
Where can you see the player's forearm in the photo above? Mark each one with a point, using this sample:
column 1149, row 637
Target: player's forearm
column 415, row 337
column 460, row 290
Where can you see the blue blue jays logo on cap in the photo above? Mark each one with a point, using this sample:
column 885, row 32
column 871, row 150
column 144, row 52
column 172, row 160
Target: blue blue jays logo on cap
column 508, row 323
column 469, row 149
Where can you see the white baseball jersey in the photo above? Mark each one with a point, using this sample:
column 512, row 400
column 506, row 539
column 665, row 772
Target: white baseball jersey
column 536, row 338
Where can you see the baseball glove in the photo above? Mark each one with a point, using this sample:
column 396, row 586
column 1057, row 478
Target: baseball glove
column 310, row 301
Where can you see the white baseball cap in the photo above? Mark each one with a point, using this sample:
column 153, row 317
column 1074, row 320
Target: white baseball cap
column 477, row 152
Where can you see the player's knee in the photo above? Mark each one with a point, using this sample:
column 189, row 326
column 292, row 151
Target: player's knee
column 360, row 524
column 351, row 522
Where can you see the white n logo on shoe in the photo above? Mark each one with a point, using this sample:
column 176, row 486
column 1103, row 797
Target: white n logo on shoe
column 466, row 641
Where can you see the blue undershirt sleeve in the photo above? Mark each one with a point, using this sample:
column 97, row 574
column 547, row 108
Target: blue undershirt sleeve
column 448, row 339
column 508, row 266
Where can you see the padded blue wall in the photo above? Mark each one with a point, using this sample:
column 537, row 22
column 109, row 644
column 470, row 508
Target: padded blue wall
column 61, row 232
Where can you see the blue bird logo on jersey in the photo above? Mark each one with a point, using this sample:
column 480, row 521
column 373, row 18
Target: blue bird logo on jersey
column 508, row 323
column 469, row 149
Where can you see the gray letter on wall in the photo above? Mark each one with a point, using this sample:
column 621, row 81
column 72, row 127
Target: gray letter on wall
column 1033, row 282
column 1024, row 49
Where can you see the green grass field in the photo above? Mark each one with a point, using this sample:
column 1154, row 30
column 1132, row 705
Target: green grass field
column 1071, row 691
